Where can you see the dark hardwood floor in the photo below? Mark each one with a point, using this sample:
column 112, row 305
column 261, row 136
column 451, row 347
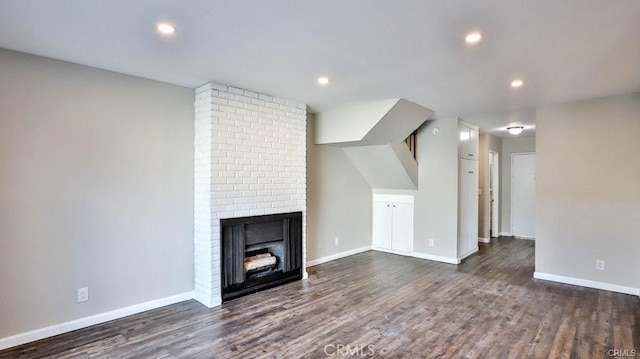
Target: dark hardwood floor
column 379, row 305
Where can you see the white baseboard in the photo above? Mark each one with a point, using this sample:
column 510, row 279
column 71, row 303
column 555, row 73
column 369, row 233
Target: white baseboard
column 206, row 301
column 65, row 327
column 587, row 283
column 333, row 257
column 435, row 258
column 484, row 240
column 532, row 238
column 475, row 250
column 505, row 234
column 420, row 255
column 385, row 250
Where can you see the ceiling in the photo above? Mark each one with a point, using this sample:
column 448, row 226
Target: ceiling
column 564, row 50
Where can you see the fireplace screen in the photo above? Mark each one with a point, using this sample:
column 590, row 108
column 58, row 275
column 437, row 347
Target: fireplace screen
column 260, row 252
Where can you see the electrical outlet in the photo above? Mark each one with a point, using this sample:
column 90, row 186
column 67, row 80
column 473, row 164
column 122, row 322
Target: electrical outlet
column 337, row 241
column 83, row 294
column 431, row 242
column 600, row 264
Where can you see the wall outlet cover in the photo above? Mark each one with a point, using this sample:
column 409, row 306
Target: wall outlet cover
column 83, row 294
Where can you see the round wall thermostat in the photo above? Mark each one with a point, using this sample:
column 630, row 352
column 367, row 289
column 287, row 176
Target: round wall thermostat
column 435, row 131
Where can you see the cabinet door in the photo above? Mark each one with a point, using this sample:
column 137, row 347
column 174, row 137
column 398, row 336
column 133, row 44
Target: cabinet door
column 469, row 143
column 474, row 144
column 382, row 224
column 463, row 141
column 402, row 236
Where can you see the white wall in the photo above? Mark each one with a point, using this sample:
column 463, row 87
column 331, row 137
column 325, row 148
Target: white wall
column 588, row 189
column 338, row 201
column 510, row 146
column 487, row 143
column 96, row 182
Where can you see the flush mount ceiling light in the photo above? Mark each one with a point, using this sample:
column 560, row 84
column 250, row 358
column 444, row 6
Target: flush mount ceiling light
column 515, row 130
column 323, row 80
column 166, row 29
column 517, row 83
column 473, row 38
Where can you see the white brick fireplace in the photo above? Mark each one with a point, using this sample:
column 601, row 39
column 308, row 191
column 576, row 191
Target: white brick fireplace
column 250, row 159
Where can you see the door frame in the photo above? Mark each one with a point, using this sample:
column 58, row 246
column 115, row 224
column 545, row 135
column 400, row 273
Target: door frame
column 494, row 194
column 511, row 199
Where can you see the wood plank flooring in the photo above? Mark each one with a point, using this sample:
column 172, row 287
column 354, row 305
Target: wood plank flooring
column 382, row 306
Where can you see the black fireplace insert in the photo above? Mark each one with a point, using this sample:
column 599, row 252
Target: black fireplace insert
column 260, row 252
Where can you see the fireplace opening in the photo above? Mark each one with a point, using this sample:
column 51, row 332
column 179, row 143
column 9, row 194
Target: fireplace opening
column 260, row 252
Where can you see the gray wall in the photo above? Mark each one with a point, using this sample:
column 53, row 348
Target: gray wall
column 338, row 201
column 494, row 144
column 509, row 147
column 588, row 189
column 96, row 181
column 436, row 201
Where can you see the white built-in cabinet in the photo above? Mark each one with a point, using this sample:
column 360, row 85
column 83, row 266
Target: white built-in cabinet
column 469, row 144
column 393, row 223
column 468, row 182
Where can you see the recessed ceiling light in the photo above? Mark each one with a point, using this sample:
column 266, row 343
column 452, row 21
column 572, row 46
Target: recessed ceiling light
column 473, row 38
column 166, row 29
column 517, row 83
column 323, row 80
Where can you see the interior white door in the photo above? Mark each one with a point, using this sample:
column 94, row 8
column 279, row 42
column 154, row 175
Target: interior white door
column 382, row 224
column 468, row 208
column 494, row 159
column 472, row 172
column 523, row 194
column 402, row 227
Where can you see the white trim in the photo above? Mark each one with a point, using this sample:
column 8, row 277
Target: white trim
column 206, row 301
column 587, row 283
column 65, row 327
column 468, row 124
column 385, row 250
column 419, row 255
column 333, row 257
column 505, row 234
column 468, row 254
column 435, row 258
column 484, row 240
column 531, row 238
